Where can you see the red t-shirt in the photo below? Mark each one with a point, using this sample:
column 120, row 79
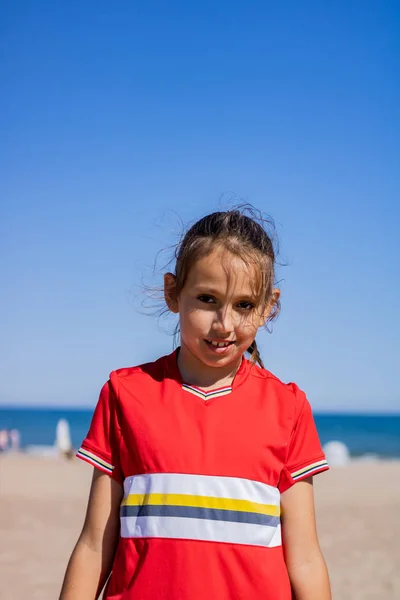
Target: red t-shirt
column 202, row 476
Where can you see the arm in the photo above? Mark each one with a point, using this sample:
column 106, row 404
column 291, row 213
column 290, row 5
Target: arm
column 304, row 561
column 91, row 560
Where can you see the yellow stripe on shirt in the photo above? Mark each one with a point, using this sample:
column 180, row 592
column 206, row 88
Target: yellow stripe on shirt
column 201, row 502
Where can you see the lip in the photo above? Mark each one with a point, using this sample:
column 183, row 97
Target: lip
column 219, row 350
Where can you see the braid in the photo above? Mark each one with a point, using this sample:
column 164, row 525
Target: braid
column 255, row 355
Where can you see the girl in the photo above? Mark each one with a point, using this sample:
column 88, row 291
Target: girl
column 202, row 486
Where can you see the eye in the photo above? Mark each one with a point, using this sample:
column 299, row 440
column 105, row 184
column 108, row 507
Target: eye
column 245, row 305
column 206, row 299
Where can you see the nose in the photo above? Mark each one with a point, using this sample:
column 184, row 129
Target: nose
column 223, row 322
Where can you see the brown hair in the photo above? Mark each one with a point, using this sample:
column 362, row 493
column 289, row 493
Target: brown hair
column 241, row 234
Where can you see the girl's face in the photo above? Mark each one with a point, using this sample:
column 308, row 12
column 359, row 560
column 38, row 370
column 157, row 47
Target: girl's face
column 218, row 310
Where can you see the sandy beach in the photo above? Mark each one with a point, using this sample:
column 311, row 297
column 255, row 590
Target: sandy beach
column 43, row 502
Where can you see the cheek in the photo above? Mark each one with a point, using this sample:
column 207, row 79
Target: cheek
column 248, row 326
column 195, row 319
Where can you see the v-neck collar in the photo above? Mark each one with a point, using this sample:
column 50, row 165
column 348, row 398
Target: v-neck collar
column 239, row 378
column 215, row 393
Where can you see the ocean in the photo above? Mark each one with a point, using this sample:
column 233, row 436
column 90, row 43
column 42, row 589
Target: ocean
column 364, row 435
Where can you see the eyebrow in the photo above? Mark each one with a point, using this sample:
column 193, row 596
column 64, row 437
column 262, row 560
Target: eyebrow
column 199, row 289
column 205, row 289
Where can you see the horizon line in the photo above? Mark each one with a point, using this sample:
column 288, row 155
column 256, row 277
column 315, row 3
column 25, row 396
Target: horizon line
column 316, row 411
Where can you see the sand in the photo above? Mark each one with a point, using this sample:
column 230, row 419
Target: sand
column 43, row 502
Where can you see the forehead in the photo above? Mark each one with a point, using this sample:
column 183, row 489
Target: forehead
column 222, row 270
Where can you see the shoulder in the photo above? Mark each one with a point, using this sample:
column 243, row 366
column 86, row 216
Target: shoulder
column 289, row 395
column 151, row 372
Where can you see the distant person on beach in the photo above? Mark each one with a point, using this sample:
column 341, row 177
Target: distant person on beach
column 203, row 460
column 15, row 440
column 3, row 440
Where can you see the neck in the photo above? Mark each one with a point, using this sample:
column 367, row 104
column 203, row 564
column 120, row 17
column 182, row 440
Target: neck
column 194, row 372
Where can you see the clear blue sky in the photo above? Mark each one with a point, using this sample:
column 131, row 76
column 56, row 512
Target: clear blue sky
column 115, row 115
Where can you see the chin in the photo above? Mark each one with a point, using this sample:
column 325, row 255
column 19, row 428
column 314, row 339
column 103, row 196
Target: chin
column 222, row 361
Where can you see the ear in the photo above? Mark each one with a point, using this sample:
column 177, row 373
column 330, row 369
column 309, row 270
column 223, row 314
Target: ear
column 269, row 307
column 170, row 292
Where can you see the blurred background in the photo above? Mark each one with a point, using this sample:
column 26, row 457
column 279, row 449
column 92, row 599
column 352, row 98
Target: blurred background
column 122, row 123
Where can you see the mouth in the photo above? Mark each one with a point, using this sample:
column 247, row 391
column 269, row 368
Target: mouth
column 216, row 344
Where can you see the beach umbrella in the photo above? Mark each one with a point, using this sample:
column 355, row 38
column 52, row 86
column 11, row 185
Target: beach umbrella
column 63, row 437
column 337, row 454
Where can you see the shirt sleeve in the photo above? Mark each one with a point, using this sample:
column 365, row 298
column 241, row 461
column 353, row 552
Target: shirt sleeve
column 305, row 456
column 101, row 446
